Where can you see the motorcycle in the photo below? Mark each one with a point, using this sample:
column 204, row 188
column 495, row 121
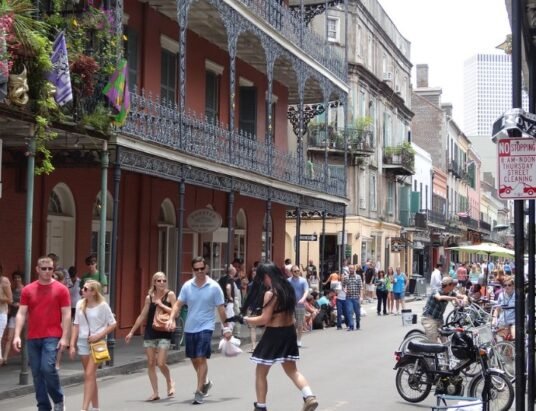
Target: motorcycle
column 425, row 365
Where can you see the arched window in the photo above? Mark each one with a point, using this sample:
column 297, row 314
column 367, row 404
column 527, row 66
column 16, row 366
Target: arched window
column 61, row 225
column 167, row 241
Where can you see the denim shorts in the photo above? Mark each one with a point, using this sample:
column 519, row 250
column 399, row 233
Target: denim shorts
column 160, row 343
column 399, row 296
column 83, row 346
column 198, row 344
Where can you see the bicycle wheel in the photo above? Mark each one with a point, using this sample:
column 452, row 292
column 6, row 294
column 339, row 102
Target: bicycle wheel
column 413, row 383
column 501, row 394
column 503, row 357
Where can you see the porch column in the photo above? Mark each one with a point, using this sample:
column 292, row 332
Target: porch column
column 30, row 178
column 183, row 7
column 323, row 246
column 230, row 227
column 326, row 92
column 267, row 231
column 178, row 269
column 104, row 191
column 113, row 264
column 343, row 241
column 298, row 227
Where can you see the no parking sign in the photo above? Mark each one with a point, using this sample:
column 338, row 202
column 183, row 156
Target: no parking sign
column 517, row 168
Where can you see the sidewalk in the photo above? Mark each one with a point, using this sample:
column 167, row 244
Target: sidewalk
column 128, row 358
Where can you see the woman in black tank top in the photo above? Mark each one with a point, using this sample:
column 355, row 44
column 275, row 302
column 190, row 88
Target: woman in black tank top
column 156, row 343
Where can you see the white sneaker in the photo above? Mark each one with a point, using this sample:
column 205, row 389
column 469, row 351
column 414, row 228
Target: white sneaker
column 299, row 344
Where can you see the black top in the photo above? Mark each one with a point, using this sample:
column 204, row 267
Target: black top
column 151, row 334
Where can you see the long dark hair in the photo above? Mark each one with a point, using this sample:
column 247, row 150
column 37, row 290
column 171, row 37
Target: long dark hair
column 286, row 298
column 255, row 296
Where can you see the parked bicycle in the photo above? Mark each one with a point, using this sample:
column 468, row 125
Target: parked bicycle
column 425, row 365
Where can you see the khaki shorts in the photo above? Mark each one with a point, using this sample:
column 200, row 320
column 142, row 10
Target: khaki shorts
column 299, row 315
column 431, row 328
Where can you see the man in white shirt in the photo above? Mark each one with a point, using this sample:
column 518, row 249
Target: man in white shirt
column 435, row 279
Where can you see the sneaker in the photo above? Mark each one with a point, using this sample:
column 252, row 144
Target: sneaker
column 256, row 408
column 199, row 398
column 207, row 387
column 59, row 406
column 310, row 403
column 299, row 344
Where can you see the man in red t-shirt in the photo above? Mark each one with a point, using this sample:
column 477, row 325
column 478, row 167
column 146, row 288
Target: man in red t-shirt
column 46, row 303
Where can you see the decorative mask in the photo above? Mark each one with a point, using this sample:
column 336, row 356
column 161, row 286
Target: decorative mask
column 18, row 88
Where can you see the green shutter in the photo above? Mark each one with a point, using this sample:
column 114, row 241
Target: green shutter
column 404, row 200
column 415, row 206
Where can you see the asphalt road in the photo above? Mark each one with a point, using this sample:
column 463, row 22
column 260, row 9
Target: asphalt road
column 346, row 370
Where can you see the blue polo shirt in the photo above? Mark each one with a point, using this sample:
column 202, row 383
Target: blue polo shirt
column 300, row 286
column 202, row 302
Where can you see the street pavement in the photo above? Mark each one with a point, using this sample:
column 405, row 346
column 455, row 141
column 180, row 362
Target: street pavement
column 346, row 370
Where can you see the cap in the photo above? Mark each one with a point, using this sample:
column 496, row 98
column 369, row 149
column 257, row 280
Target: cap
column 226, row 330
column 448, row 280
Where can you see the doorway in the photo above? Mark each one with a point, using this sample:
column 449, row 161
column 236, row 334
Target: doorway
column 328, row 243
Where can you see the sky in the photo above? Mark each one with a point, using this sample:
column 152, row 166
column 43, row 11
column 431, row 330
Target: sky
column 443, row 34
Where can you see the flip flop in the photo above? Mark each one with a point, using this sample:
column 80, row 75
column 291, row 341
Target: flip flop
column 152, row 398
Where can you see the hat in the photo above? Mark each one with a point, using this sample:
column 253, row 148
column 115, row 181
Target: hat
column 226, row 330
column 447, row 281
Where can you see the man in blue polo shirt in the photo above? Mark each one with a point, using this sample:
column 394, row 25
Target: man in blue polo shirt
column 301, row 289
column 202, row 295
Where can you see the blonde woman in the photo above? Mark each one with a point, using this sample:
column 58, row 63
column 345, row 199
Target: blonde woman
column 93, row 321
column 156, row 343
column 389, row 281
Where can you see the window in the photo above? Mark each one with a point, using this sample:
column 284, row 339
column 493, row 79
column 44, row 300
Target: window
column 390, row 198
column 362, row 191
column 362, row 104
column 212, row 96
column 359, row 42
column 247, row 116
column 387, row 138
column 333, row 29
column 373, row 203
column 168, row 75
column 131, row 54
column 370, row 53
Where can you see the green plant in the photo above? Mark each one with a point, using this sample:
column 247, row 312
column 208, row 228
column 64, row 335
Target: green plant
column 363, row 123
column 99, row 119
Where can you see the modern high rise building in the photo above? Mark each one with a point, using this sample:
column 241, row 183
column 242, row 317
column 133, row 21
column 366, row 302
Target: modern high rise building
column 487, row 92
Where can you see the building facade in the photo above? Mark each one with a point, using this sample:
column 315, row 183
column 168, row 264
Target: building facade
column 202, row 164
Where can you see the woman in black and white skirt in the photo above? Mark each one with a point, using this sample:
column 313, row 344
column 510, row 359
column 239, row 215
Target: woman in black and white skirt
column 279, row 342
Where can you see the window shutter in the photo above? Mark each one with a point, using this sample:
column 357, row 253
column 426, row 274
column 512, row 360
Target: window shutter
column 247, row 118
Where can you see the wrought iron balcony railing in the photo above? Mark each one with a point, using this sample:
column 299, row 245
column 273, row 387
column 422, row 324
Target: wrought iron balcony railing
column 485, row 226
column 359, row 142
column 156, row 121
column 290, row 24
column 470, row 222
column 436, row 217
column 400, row 160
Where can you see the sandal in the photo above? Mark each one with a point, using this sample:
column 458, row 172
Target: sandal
column 171, row 390
column 152, row 398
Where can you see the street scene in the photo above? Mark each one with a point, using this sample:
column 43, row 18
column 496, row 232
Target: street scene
column 344, row 369
column 267, row 204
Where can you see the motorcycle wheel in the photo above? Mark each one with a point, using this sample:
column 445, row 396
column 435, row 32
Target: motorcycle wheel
column 413, row 383
column 501, row 394
column 417, row 337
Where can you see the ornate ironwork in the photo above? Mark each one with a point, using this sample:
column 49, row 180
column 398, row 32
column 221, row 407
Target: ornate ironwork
column 158, row 122
column 289, row 24
column 183, row 8
column 313, row 10
column 310, row 111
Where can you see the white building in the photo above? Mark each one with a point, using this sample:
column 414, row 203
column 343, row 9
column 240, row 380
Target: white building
column 487, row 92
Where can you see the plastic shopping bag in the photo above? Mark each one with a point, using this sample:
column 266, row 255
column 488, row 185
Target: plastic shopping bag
column 230, row 347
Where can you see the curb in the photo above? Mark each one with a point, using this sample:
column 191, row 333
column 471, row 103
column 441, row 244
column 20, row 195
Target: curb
column 124, row 369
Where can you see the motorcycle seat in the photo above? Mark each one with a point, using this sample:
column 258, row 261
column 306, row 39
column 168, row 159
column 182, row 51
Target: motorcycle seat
column 429, row 348
column 446, row 332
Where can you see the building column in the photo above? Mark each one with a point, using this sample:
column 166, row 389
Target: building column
column 298, row 228
column 105, row 160
column 230, row 227
column 267, row 234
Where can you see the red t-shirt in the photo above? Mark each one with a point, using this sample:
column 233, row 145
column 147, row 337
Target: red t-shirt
column 44, row 308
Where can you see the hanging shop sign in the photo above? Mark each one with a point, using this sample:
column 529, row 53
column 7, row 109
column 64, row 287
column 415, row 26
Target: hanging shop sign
column 514, row 119
column 517, row 168
column 204, row 220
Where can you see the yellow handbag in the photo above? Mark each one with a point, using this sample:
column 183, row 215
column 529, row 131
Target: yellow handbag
column 99, row 351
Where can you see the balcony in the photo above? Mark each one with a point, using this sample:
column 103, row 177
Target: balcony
column 456, row 169
column 360, row 142
column 156, row 122
column 399, row 160
column 469, row 222
column 435, row 217
column 417, row 220
column 484, row 226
